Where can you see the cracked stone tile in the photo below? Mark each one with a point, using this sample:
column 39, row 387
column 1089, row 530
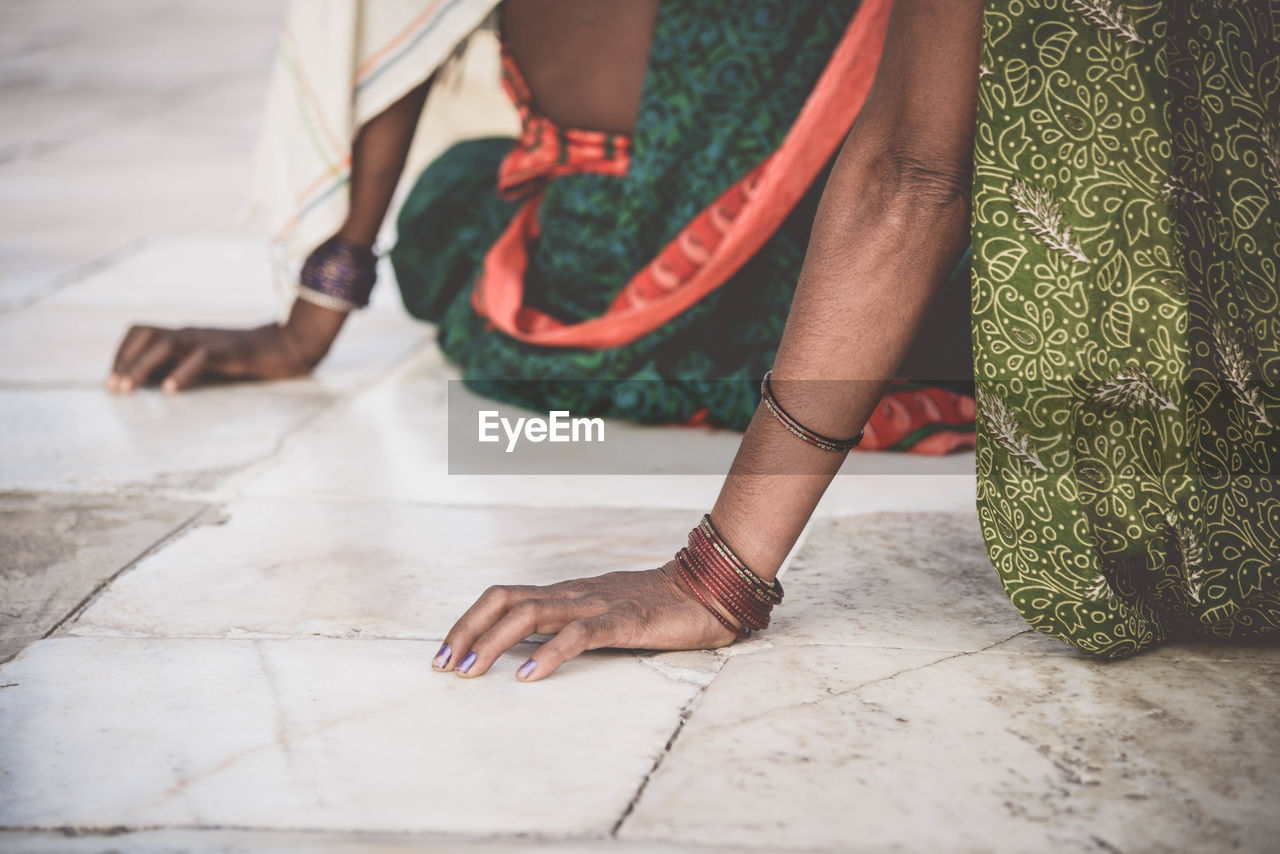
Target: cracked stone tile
column 922, row 580
column 61, row 440
column 57, row 549
column 292, row 567
column 328, row 735
column 694, row 667
column 912, row 750
column 915, row 580
column 285, row 842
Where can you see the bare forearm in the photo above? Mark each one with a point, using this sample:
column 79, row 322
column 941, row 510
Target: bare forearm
column 892, row 223
column 378, row 159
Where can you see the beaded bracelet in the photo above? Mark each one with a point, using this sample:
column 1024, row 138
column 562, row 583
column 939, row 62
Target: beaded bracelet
column 338, row 275
column 816, row 439
column 708, row 566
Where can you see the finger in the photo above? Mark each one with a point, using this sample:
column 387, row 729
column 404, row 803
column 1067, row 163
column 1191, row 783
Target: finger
column 187, row 371
column 486, row 611
column 529, row 617
column 147, row 364
column 573, row 640
column 135, row 340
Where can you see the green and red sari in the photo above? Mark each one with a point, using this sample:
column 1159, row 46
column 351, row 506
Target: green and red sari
column 659, row 267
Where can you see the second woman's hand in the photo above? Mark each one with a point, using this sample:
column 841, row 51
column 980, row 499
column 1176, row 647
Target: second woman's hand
column 653, row 609
column 178, row 358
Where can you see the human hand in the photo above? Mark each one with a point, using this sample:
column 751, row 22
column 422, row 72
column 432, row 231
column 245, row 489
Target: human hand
column 184, row 356
column 653, row 609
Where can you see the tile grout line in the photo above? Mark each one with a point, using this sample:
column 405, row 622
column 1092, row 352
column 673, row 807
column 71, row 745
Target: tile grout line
column 232, row 485
column 854, row 690
column 178, row 531
column 685, row 714
column 77, row 273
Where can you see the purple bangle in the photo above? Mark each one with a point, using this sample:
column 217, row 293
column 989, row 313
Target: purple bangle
column 338, row 275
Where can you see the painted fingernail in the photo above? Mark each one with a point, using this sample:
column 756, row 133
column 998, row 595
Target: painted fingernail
column 442, row 657
column 526, row 669
column 468, row 661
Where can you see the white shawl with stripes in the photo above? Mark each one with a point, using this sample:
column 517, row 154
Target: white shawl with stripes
column 338, row 64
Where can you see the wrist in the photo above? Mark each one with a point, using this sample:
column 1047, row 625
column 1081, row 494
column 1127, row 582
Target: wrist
column 740, row 600
column 700, row 595
column 353, row 233
column 310, row 331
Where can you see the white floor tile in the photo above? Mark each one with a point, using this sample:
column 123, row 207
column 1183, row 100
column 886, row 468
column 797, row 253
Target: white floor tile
column 36, row 262
column 912, row 580
column 391, row 444
column 303, row 842
column 56, row 551
column 298, row 568
column 143, row 198
column 88, row 440
column 977, row 753
column 322, row 734
column 195, row 272
column 53, row 346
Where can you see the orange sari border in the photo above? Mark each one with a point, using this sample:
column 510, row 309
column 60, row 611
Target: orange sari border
column 721, row 239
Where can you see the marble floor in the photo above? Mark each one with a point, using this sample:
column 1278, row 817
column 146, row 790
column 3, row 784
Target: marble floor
column 217, row 609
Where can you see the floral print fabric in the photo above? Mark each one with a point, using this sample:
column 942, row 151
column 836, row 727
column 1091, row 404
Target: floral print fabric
column 1126, row 311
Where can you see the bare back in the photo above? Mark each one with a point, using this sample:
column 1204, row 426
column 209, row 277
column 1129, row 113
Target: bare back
column 585, row 60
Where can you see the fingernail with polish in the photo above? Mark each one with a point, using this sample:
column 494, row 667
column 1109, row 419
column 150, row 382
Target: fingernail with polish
column 468, row 661
column 442, row 657
column 526, row 669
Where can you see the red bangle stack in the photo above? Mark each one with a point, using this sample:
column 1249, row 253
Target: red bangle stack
column 708, row 564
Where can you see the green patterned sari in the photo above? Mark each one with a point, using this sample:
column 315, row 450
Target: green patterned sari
column 725, row 83
column 1126, row 310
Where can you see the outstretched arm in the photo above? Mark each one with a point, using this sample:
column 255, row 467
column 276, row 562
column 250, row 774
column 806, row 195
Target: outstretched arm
column 892, row 224
column 276, row 351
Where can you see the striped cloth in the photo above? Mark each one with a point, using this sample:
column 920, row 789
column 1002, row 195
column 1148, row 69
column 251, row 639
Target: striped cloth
column 338, row 64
